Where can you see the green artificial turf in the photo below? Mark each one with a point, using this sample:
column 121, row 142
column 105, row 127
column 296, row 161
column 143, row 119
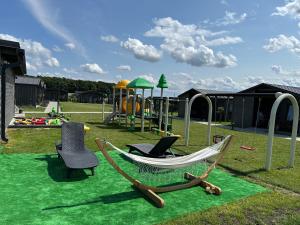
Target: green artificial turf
column 34, row 190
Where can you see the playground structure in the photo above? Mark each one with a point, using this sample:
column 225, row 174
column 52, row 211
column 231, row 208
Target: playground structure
column 133, row 105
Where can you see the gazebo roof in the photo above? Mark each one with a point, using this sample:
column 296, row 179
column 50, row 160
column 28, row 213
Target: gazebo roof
column 140, row 83
column 162, row 83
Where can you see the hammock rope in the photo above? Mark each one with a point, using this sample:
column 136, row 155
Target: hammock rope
column 174, row 162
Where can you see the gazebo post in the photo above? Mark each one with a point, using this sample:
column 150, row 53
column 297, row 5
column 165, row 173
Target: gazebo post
column 114, row 101
column 120, row 106
column 160, row 108
column 134, row 105
column 127, row 102
column 166, row 116
column 162, row 83
column 143, row 111
column 151, row 108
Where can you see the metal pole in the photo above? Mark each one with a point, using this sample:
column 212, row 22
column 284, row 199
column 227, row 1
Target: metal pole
column 103, row 106
column 151, row 103
column 114, row 102
column 127, row 102
column 275, row 106
column 160, row 108
column 143, row 110
column 120, row 106
column 186, row 111
column 151, row 108
column 134, row 103
column 166, row 116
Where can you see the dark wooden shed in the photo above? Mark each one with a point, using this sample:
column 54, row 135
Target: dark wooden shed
column 91, row 96
column 200, row 107
column 29, row 90
column 260, row 113
column 12, row 62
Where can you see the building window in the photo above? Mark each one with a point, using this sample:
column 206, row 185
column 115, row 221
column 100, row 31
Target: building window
column 290, row 113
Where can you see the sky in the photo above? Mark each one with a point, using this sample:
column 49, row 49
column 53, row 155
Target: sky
column 223, row 45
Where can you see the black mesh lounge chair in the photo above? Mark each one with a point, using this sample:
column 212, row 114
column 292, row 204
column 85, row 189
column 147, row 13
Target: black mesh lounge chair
column 72, row 149
column 160, row 150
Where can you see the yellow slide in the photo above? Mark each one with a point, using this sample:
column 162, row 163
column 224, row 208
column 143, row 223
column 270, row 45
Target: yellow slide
column 124, row 102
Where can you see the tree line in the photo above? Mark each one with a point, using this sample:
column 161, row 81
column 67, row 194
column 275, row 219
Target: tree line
column 71, row 86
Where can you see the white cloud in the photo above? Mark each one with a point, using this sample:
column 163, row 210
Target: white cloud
column 124, row 68
column 119, row 77
column 37, row 55
column 70, row 45
column 142, row 51
column 278, row 70
column 57, row 49
column 280, row 42
column 224, row 2
column 231, row 18
column 92, row 68
column 291, row 8
column 52, row 62
column 70, row 71
column 190, row 43
column 224, row 41
column 181, row 82
column 47, row 16
column 30, row 67
column 254, row 80
column 109, row 38
column 149, row 77
column 220, row 83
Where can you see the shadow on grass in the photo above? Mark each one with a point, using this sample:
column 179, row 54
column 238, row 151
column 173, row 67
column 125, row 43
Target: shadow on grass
column 106, row 199
column 239, row 173
column 58, row 172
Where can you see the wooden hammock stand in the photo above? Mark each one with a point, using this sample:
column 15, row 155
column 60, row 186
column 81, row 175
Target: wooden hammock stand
column 151, row 191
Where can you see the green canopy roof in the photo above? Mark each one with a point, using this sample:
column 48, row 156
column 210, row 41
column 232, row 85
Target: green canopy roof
column 140, row 83
column 162, row 83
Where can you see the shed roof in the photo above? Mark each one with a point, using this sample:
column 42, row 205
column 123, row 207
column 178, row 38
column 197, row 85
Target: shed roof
column 206, row 91
column 10, row 52
column 29, row 80
column 276, row 87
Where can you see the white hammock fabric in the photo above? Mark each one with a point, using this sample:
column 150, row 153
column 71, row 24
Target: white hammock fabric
column 176, row 162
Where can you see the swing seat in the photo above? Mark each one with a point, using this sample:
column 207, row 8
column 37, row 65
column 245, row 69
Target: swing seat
column 218, row 138
column 249, row 148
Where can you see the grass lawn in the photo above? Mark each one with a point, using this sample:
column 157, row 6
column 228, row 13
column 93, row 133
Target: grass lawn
column 84, row 107
column 274, row 207
column 30, row 108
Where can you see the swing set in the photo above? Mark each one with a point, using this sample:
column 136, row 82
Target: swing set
column 279, row 97
column 250, row 147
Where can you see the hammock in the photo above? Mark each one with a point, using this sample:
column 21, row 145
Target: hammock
column 175, row 162
column 180, row 163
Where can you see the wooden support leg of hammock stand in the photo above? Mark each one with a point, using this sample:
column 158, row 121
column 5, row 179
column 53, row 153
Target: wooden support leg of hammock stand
column 215, row 190
column 158, row 201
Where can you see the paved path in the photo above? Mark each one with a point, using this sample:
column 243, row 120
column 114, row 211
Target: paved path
column 50, row 106
column 36, row 112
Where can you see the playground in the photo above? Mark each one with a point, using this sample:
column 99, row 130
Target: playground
column 255, row 188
